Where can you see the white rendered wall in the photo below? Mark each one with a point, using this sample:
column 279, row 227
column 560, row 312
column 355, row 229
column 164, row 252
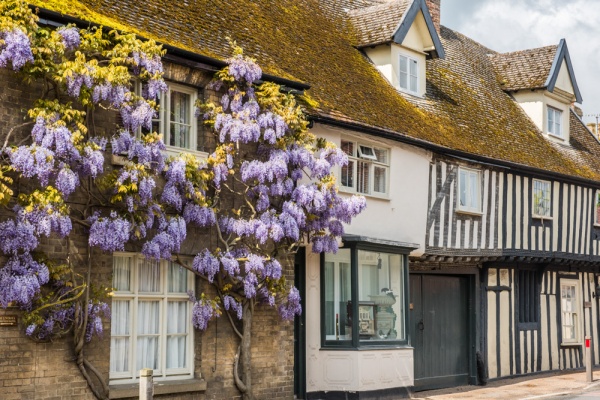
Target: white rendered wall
column 535, row 104
column 563, row 81
column 401, row 217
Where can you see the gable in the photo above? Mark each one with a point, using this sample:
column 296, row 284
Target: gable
column 563, row 81
column 562, row 62
column 418, row 37
column 419, row 7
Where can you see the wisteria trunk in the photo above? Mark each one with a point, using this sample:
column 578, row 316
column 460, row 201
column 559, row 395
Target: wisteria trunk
column 246, row 355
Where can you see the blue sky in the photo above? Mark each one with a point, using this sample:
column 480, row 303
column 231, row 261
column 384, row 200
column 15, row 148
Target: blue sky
column 509, row 25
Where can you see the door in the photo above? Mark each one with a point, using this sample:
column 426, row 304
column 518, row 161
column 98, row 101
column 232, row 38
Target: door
column 299, row 328
column 440, row 330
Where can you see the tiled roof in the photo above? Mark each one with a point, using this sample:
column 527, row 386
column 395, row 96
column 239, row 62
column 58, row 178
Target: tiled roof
column 465, row 109
column 525, row 69
column 341, row 7
column 378, row 23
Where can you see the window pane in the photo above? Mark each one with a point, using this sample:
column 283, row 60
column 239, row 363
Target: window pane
column 413, row 68
column 148, row 317
column 462, row 182
column 597, row 207
column 474, row 195
column 177, row 317
column 120, row 317
column 403, row 65
column 381, row 300
column 177, row 324
column 413, row 83
column 121, row 273
column 348, row 148
column 382, row 155
column 337, row 295
column 180, row 121
column 149, row 276
column 362, row 184
column 176, row 348
column 147, row 352
column 147, row 324
column 119, row 354
column 177, row 279
column 403, row 80
column 379, row 179
column 348, row 174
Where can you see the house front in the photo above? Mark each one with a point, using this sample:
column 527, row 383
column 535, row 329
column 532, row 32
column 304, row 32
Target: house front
column 477, row 256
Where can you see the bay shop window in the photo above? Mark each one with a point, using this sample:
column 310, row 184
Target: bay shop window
column 151, row 319
column 364, row 296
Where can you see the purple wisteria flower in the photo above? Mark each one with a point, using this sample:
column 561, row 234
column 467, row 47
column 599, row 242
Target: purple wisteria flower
column 109, row 233
column 70, row 37
column 20, row 279
column 292, row 306
column 16, row 49
column 202, row 312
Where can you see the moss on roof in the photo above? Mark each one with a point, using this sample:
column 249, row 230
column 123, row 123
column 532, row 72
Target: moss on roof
column 524, row 69
column 465, row 109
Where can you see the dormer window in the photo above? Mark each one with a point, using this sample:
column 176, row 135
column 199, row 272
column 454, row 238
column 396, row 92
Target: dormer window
column 408, row 74
column 554, row 121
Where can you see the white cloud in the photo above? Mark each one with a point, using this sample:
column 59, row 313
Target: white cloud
column 509, row 25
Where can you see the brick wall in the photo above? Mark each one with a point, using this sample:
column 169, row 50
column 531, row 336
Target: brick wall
column 30, row 370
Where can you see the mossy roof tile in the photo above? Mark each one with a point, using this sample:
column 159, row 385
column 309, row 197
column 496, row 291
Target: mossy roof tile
column 524, row 69
column 465, row 108
column 378, row 23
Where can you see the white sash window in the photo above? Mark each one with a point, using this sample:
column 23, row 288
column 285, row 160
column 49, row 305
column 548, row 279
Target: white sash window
column 151, row 319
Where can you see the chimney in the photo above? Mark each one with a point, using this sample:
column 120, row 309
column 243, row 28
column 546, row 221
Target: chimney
column 434, row 10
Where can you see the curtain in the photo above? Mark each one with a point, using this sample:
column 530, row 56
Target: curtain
column 176, row 334
column 177, row 279
column 122, row 273
column 148, row 330
column 119, row 342
column 149, row 276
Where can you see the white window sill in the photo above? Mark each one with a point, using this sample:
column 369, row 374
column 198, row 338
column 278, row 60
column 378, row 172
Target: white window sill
column 117, row 159
column 571, row 344
column 175, row 151
column 346, row 190
column 408, row 92
column 122, row 391
column 542, row 217
column 555, row 137
column 596, row 225
column 469, row 212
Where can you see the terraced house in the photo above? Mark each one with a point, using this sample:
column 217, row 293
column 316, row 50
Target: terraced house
column 479, row 252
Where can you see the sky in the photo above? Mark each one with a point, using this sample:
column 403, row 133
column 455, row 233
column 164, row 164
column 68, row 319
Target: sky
column 509, row 25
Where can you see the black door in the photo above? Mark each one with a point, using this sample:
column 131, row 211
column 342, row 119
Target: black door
column 440, row 330
column 299, row 328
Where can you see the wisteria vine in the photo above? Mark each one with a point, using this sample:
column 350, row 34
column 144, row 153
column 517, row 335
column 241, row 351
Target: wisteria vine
column 266, row 187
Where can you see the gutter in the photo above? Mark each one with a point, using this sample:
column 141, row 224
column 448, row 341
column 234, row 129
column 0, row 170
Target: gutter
column 53, row 18
column 403, row 138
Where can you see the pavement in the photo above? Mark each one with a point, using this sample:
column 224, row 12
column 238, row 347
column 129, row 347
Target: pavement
column 544, row 386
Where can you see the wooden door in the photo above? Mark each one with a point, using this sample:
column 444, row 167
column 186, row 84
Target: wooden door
column 439, row 329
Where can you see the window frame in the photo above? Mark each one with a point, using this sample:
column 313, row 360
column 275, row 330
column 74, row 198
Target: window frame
column 572, row 282
column 355, row 342
column 360, row 156
column 415, row 62
column 597, row 208
column 525, row 295
column 556, row 122
column 534, row 210
column 469, row 208
column 134, row 296
column 164, row 124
